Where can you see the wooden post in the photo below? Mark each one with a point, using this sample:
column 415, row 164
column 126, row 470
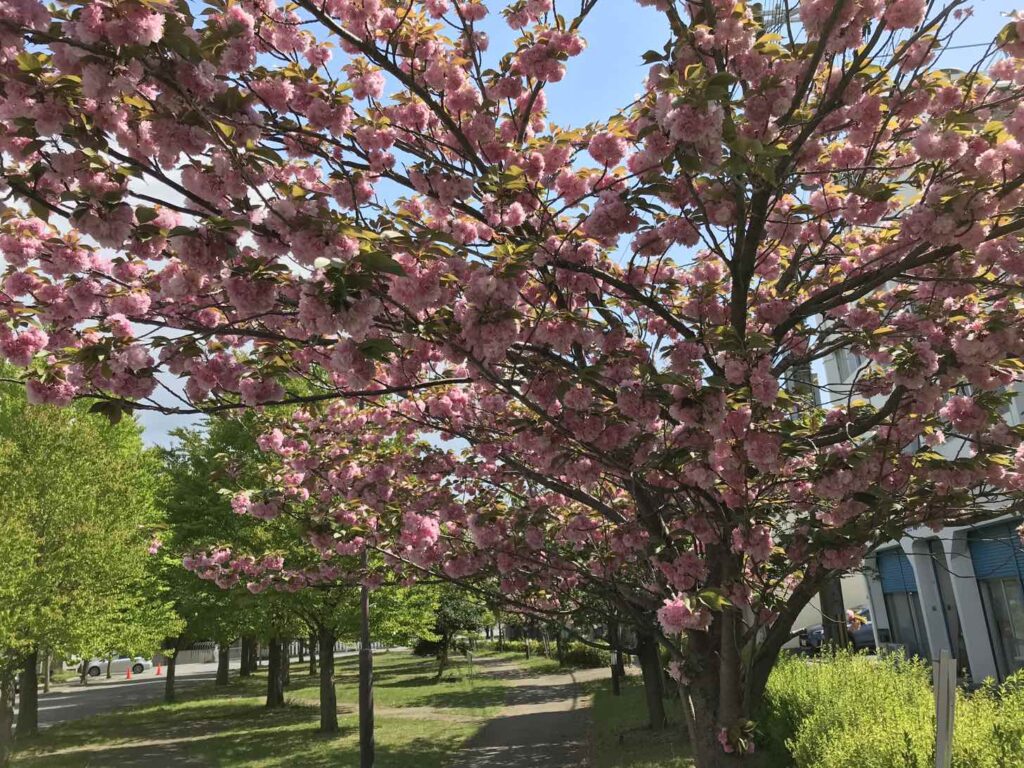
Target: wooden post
column 944, row 680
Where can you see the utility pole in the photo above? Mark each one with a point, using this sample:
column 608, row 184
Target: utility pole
column 366, row 745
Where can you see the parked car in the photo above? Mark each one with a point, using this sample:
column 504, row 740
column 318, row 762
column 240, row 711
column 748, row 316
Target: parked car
column 858, row 627
column 861, row 631
column 120, row 665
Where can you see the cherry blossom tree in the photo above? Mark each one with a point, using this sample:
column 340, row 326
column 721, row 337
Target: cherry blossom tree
column 354, row 199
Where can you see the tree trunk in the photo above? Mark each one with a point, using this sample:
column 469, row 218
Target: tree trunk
column 613, row 640
column 312, row 655
column 727, row 687
column 110, row 665
column 367, row 748
column 6, row 716
column 302, row 651
column 442, row 656
column 654, row 687
column 526, row 642
column 699, row 711
column 833, row 614
column 286, row 663
column 223, row 663
column 28, row 706
column 172, row 665
column 243, row 661
column 275, row 675
column 501, row 637
column 328, row 696
column 560, row 647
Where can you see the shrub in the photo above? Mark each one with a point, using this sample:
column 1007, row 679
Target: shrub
column 575, row 654
column 989, row 730
column 851, row 710
column 855, row 711
column 519, row 646
column 585, row 657
column 426, row 647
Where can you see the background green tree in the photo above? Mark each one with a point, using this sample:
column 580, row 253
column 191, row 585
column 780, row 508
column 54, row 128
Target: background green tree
column 78, row 514
column 458, row 613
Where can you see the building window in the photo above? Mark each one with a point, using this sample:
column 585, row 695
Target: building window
column 1003, row 600
column 846, row 364
column 998, row 560
column 906, row 621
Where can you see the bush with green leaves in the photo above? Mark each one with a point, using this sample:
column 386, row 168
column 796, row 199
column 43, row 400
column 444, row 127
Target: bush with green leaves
column 989, row 730
column 584, row 656
column 519, row 646
column 856, row 711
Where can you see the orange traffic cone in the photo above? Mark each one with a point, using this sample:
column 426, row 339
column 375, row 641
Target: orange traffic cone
column 158, row 672
column 128, row 674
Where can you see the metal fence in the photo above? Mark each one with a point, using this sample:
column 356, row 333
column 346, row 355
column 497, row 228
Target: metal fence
column 207, row 652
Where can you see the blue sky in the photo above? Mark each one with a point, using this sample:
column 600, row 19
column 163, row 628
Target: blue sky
column 610, row 73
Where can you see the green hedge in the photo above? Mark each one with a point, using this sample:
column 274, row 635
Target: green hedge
column 856, row 711
column 576, row 654
column 585, row 657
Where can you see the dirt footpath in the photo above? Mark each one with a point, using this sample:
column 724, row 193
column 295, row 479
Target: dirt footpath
column 543, row 724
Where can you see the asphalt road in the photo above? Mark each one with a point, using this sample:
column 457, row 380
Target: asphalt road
column 74, row 701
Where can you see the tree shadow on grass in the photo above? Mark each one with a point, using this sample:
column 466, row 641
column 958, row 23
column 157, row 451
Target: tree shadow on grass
column 276, row 739
column 215, row 726
column 478, row 696
column 213, row 734
column 149, row 722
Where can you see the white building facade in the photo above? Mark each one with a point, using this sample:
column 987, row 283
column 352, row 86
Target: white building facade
column 961, row 589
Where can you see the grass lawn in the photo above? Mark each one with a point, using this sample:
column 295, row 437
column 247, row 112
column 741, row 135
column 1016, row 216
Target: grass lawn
column 420, row 722
column 619, row 736
column 538, row 664
column 63, row 676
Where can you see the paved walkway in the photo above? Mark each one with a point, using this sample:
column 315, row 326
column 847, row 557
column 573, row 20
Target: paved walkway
column 543, row 725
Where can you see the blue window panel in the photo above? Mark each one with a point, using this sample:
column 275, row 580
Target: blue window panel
column 996, row 552
column 895, row 571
